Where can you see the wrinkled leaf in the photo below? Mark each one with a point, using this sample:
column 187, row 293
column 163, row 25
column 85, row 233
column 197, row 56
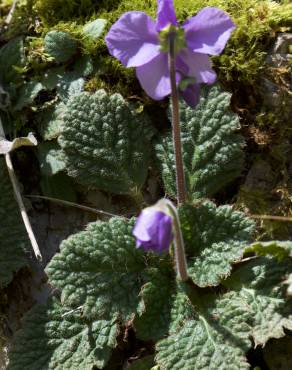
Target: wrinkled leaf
column 215, row 237
column 106, row 143
column 101, row 269
column 259, row 284
column 60, row 45
column 212, row 148
column 154, row 317
column 214, row 338
column 52, row 338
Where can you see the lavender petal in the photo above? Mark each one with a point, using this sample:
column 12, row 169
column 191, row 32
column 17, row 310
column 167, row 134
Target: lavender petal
column 133, row 39
column 209, row 31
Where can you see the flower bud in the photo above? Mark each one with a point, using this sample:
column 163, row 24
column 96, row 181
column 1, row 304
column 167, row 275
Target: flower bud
column 153, row 229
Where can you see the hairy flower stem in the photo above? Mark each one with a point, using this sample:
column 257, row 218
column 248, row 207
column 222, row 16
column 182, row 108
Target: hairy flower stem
column 179, row 169
column 179, row 249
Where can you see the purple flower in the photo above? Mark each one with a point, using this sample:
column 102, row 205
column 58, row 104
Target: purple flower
column 137, row 41
column 153, row 230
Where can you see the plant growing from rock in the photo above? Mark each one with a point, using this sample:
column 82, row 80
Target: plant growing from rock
column 109, row 279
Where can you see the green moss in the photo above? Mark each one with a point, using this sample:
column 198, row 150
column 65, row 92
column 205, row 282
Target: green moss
column 257, row 22
column 54, row 11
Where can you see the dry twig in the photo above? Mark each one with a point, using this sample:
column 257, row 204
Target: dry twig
column 19, row 200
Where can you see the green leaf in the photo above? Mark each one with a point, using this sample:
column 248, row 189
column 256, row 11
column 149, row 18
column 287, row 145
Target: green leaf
column 106, row 143
column 60, row 45
column 154, row 317
column 51, row 158
column 101, row 269
column 51, row 121
column 13, row 240
column 27, row 94
column 212, row 148
column 11, row 57
column 95, row 28
column 215, row 237
column 70, row 84
column 275, row 248
column 214, row 338
column 259, row 284
column 59, row 338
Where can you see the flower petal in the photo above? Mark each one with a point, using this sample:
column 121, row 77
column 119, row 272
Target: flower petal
column 165, row 14
column 133, row 39
column 164, row 232
column 153, row 230
column 154, row 77
column 191, row 95
column 209, row 31
column 199, row 66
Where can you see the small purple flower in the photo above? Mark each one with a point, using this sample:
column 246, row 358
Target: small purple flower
column 153, row 230
column 137, row 41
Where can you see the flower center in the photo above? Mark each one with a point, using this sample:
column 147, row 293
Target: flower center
column 174, row 32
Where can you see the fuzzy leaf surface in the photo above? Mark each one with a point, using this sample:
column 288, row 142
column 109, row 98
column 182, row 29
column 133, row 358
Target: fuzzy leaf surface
column 60, row 45
column 13, row 240
column 215, row 237
column 212, row 149
column 259, row 284
column 216, row 337
column 154, row 317
column 106, row 143
column 52, row 339
column 100, row 268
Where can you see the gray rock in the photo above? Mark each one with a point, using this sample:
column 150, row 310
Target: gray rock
column 276, row 91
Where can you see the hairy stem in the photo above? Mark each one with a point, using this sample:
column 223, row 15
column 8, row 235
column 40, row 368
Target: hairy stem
column 179, row 249
column 180, row 177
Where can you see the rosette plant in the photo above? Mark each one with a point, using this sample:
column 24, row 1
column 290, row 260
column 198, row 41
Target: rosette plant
column 116, row 302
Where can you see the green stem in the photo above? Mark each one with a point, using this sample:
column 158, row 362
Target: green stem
column 179, row 249
column 180, row 178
